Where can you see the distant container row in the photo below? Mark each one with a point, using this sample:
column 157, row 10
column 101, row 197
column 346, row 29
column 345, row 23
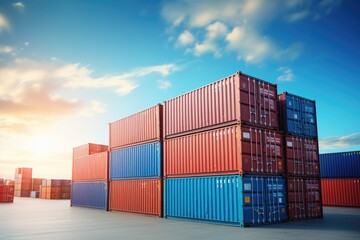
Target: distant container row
column 340, row 165
column 6, row 191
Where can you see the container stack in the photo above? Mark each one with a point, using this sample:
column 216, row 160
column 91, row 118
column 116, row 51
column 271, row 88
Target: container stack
column 223, row 154
column 298, row 122
column 136, row 162
column 35, row 187
column 55, row 189
column 90, row 176
column 340, row 179
column 23, row 182
column 6, row 191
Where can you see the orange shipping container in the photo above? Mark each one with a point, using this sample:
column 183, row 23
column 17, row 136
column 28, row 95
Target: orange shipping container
column 88, row 149
column 142, row 127
column 138, row 196
column 91, row 168
column 229, row 150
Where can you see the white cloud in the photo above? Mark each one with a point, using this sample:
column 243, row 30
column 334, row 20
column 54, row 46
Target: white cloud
column 163, row 84
column 4, row 23
column 245, row 19
column 6, row 49
column 249, row 45
column 186, row 38
column 298, row 16
column 287, row 74
column 340, row 142
column 329, row 5
column 291, row 53
column 30, row 90
column 26, row 44
column 19, row 5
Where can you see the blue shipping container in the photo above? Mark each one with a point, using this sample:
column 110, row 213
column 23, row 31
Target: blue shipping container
column 298, row 115
column 90, row 194
column 136, row 162
column 232, row 199
column 340, row 165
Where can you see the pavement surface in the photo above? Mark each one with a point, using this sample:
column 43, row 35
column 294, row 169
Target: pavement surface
column 35, row 219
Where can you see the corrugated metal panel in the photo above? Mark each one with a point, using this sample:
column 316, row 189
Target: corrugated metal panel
column 230, row 199
column 298, row 115
column 296, row 199
column 228, row 150
column 91, row 168
column 340, row 165
column 141, row 161
column 313, row 198
column 6, row 193
column 341, row 192
column 90, row 194
column 237, row 98
column 138, row 196
column 88, row 149
column 142, row 127
column 302, row 156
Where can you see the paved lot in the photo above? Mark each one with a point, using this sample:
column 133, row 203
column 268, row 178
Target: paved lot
column 54, row 219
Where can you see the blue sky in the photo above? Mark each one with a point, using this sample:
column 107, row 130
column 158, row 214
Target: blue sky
column 68, row 68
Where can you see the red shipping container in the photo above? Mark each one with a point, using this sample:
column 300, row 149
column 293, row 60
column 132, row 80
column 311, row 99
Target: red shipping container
column 36, row 183
column 341, row 192
column 304, row 198
column 313, row 198
column 91, row 168
column 139, row 128
column 296, row 199
column 302, row 156
column 238, row 98
column 138, row 196
column 88, row 149
column 6, row 193
column 229, row 150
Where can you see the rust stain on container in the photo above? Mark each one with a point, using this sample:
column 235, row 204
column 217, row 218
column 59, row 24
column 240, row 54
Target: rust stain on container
column 93, row 167
column 228, row 150
column 142, row 127
column 239, row 98
column 139, row 196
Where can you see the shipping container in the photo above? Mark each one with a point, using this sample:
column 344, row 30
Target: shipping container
column 138, row 196
column 91, row 168
column 90, row 194
column 238, row 98
column 36, row 183
column 228, row 150
column 302, row 156
column 297, row 115
column 6, row 193
column 34, row 194
column 304, row 198
column 231, row 199
column 88, row 149
column 296, row 199
column 23, row 182
column 141, row 161
column 340, row 165
column 341, row 192
column 142, row 127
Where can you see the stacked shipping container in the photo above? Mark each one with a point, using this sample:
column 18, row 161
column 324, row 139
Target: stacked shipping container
column 35, row 187
column 223, row 152
column 55, row 189
column 298, row 122
column 90, row 176
column 23, row 182
column 340, row 179
column 6, row 191
column 136, row 163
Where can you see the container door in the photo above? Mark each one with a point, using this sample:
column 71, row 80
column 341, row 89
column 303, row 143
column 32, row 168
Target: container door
column 275, row 194
column 254, row 200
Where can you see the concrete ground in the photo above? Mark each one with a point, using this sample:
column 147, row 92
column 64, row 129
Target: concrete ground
column 37, row 219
